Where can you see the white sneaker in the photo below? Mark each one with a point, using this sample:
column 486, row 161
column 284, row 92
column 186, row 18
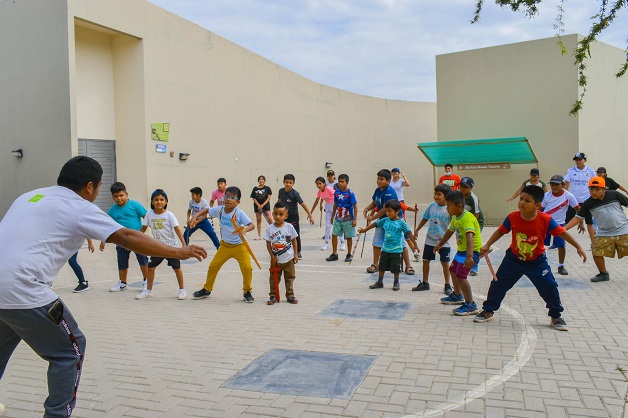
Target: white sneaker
column 119, row 287
column 182, row 294
column 324, row 247
column 145, row 285
column 144, row 294
column 343, row 246
column 3, row 410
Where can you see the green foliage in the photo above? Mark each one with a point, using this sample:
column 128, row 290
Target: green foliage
column 601, row 20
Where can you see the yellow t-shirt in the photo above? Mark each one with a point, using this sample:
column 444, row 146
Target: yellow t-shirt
column 463, row 224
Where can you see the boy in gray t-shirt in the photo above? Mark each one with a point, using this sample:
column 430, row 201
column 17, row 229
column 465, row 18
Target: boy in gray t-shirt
column 438, row 219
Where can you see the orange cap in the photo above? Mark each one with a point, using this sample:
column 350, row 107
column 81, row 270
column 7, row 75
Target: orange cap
column 597, row 182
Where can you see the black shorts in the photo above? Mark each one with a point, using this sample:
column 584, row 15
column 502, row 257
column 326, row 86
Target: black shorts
column 390, row 262
column 175, row 263
column 266, row 208
column 443, row 253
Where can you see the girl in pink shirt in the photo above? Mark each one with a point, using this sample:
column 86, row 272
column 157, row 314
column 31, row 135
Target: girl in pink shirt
column 325, row 194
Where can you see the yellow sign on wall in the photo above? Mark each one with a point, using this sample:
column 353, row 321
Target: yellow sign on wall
column 160, row 131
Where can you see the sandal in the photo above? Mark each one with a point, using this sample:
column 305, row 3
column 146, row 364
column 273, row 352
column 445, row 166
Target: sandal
column 372, row 269
column 409, row 271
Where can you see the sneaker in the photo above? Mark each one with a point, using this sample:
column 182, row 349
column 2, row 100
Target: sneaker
column 559, row 324
column 182, row 294
column 553, row 247
column 421, row 286
column 483, row 316
column 271, row 300
column 448, row 290
column 293, row 300
column 324, row 247
column 467, row 308
column 473, row 273
column 333, row 257
column 602, row 277
column 562, row 270
column 248, row 297
column 343, row 246
column 82, row 286
column 417, row 256
column 299, row 255
column 376, row 285
column 453, row 299
column 119, row 287
column 201, row 294
column 348, row 258
column 144, row 294
column 396, row 286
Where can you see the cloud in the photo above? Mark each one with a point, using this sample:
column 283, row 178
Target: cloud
column 382, row 48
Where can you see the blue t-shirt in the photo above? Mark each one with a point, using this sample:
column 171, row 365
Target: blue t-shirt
column 129, row 216
column 382, row 196
column 394, row 233
column 226, row 227
column 437, row 223
column 345, row 202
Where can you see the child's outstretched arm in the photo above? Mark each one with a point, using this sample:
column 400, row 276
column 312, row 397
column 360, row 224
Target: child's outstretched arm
column 273, row 259
column 177, row 230
column 419, row 226
column 316, row 203
column 442, row 242
column 309, row 214
column 571, row 240
column 369, row 226
column 486, row 248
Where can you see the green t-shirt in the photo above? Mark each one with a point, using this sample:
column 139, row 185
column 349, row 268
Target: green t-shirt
column 463, row 224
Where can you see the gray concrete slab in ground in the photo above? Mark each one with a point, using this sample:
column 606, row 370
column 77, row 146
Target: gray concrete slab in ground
column 366, row 309
column 306, row 373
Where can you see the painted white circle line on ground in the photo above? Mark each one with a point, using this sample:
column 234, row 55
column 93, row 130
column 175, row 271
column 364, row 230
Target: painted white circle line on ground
column 522, row 355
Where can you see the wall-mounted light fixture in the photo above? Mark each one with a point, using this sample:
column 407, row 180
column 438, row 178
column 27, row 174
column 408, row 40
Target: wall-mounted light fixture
column 327, row 165
column 17, row 153
column 183, row 156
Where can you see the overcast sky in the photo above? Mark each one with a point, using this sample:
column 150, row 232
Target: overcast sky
column 382, row 48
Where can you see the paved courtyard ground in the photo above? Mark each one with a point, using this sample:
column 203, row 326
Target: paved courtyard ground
column 163, row 357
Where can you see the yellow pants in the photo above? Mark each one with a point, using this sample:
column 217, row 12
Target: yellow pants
column 224, row 253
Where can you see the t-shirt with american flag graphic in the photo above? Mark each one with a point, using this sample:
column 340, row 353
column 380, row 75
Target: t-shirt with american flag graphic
column 345, row 202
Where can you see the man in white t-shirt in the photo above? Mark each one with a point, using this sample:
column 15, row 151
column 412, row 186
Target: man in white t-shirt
column 577, row 182
column 52, row 224
column 555, row 203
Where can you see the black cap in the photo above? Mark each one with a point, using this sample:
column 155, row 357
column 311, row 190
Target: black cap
column 557, row 178
column 467, row 181
column 535, row 172
column 580, row 155
column 600, row 170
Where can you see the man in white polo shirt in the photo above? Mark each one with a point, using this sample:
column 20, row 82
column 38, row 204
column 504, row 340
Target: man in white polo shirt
column 38, row 234
column 577, row 182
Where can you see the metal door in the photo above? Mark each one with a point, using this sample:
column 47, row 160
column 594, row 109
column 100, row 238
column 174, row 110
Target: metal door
column 104, row 152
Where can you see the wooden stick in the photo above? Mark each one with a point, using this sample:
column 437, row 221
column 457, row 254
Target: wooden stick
column 275, row 271
column 244, row 241
column 490, row 265
column 355, row 247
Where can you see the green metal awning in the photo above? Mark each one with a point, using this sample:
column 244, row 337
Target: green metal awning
column 479, row 151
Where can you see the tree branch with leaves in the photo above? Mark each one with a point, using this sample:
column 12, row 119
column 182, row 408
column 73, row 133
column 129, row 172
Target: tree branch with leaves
column 601, row 20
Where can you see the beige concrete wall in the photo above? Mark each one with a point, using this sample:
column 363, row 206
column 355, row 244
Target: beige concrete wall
column 524, row 89
column 34, row 95
column 603, row 122
column 95, row 110
column 240, row 115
